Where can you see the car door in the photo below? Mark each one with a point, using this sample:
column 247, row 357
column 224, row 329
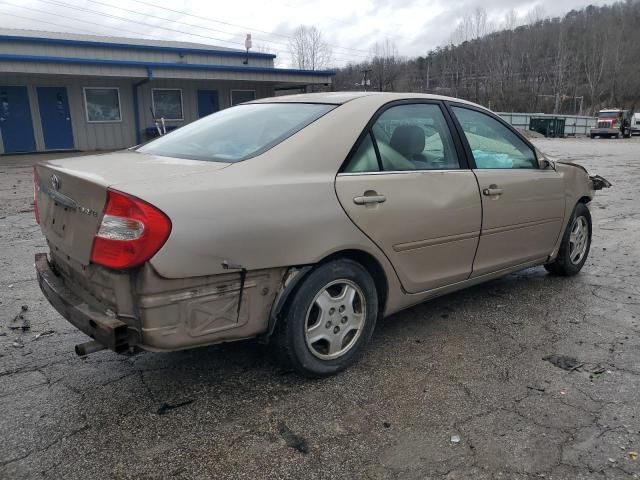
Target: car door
column 522, row 204
column 407, row 187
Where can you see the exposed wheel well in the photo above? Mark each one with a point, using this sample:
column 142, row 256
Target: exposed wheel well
column 372, row 265
column 363, row 258
column 584, row 200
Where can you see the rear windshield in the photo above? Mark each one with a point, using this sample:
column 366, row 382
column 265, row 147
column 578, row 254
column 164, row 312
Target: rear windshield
column 237, row 133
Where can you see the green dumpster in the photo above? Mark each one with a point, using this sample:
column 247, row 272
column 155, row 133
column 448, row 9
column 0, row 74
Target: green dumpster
column 548, row 126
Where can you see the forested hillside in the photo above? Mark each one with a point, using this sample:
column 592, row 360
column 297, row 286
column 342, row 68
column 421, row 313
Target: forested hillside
column 542, row 66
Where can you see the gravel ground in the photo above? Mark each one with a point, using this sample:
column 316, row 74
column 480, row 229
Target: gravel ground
column 455, row 388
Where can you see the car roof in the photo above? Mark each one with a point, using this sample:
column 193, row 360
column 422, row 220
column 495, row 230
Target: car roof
column 338, row 98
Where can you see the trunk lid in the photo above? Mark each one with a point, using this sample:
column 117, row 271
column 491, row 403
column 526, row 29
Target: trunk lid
column 72, row 193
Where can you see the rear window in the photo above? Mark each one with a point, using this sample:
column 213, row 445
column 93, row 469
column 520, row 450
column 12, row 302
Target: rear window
column 237, row 133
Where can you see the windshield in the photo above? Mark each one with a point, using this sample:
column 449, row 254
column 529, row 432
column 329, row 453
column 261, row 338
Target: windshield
column 237, row 133
column 609, row 114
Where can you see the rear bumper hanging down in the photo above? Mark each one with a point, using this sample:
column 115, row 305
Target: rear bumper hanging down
column 106, row 332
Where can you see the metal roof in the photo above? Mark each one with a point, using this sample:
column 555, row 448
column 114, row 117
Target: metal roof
column 152, row 65
column 76, row 39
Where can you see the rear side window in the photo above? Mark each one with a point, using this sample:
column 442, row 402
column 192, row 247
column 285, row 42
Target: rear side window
column 364, row 159
column 492, row 144
column 237, row 133
column 407, row 137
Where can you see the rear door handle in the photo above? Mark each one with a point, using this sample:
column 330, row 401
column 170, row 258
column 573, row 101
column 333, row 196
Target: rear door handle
column 367, row 199
column 492, row 191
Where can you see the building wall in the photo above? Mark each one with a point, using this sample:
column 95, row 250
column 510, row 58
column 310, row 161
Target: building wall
column 113, row 135
column 86, row 136
column 190, row 96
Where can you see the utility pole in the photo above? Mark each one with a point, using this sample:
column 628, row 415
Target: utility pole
column 365, row 80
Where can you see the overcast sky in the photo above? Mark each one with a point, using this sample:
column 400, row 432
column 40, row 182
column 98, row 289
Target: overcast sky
column 351, row 26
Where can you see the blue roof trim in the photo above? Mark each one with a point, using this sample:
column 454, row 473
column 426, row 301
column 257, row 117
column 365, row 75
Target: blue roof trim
column 179, row 66
column 130, row 46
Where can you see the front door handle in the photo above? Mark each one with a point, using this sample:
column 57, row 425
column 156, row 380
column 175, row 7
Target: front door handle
column 492, row 191
column 368, row 199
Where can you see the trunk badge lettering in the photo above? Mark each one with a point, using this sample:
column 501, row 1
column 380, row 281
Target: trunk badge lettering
column 88, row 211
column 55, row 182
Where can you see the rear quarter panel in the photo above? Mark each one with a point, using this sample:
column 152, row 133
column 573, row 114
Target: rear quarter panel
column 278, row 209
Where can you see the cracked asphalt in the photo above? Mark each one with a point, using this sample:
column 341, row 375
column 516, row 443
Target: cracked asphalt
column 466, row 367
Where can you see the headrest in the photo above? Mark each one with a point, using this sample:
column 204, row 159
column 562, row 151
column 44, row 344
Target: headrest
column 408, row 140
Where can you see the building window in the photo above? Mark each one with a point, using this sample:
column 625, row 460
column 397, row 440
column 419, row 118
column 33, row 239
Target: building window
column 102, row 104
column 167, row 103
column 241, row 96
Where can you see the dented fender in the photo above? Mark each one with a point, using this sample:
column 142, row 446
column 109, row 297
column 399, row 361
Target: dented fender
column 598, row 182
column 290, row 280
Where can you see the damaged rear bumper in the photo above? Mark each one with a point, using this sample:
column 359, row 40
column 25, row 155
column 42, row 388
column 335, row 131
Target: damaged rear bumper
column 110, row 332
column 154, row 313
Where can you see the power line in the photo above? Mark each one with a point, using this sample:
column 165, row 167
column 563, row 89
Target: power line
column 74, row 7
column 178, row 21
column 51, row 23
column 363, row 52
column 150, row 37
column 135, row 33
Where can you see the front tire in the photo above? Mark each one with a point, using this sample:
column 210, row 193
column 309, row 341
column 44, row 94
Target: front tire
column 329, row 320
column 575, row 245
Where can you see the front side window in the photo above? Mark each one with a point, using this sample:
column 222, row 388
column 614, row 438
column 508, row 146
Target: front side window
column 167, row 103
column 492, row 144
column 241, row 96
column 102, row 104
column 237, row 133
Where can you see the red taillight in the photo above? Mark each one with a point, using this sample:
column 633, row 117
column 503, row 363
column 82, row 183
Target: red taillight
column 36, row 189
column 131, row 232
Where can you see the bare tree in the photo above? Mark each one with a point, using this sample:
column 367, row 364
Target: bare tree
column 308, row 49
column 263, row 48
column 535, row 63
column 535, row 15
column 385, row 66
column 593, row 53
column 511, row 20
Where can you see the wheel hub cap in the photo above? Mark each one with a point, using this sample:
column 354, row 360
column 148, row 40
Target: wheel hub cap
column 335, row 319
column 578, row 240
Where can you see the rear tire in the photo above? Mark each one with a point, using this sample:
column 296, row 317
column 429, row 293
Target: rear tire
column 576, row 242
column 329, row 320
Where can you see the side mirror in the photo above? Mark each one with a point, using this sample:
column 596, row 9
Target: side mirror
column 546, row 164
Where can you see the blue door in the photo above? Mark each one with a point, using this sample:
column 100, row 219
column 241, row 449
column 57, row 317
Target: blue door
column 15, row 120
column 207, row 102
column 55, row 118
